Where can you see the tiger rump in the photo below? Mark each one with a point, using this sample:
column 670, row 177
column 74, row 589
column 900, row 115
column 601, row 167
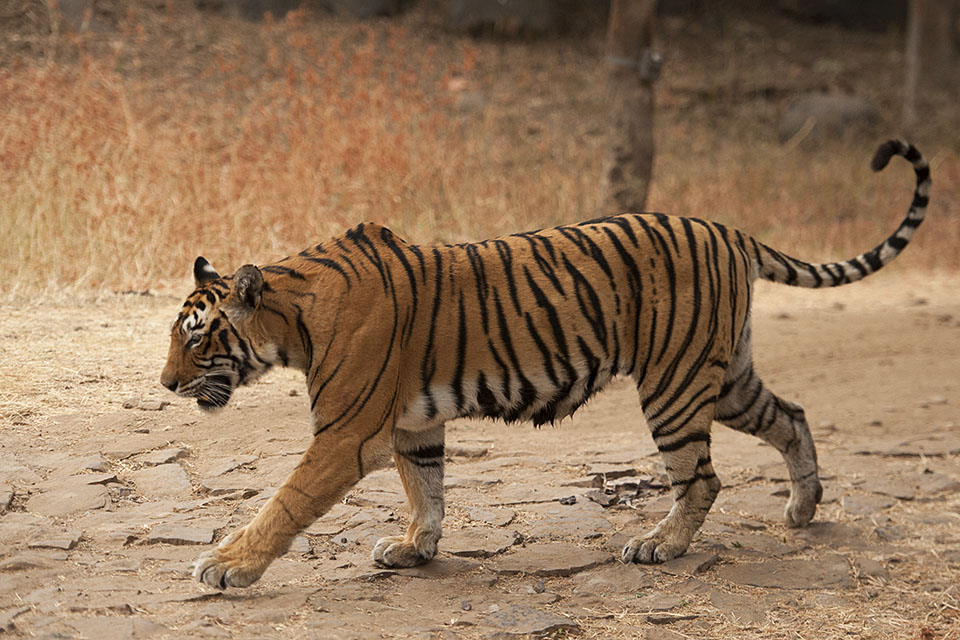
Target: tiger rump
column 396, row 339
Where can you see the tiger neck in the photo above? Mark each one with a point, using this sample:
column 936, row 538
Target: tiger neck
column 287, row 324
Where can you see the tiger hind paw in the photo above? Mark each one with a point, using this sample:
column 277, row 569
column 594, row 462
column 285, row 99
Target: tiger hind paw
column 398, row 552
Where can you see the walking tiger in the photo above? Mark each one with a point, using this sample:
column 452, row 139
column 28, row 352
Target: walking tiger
column 397, row 339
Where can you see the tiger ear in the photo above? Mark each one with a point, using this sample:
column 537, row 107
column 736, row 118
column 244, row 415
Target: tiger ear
column 247, row 287
column 203, row 272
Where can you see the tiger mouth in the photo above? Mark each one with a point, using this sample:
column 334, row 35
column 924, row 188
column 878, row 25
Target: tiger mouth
column 215, row 392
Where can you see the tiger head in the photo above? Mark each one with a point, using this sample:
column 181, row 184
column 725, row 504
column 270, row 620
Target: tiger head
column 213, row 344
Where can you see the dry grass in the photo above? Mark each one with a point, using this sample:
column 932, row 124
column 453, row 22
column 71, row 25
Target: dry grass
column 123, row 156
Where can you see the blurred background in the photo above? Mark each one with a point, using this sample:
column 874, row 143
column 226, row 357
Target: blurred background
column 137, row 134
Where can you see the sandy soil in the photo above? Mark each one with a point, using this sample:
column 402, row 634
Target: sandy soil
column 105, row 507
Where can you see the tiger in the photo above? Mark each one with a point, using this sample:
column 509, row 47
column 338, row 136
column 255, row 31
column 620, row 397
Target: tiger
column 396, row 339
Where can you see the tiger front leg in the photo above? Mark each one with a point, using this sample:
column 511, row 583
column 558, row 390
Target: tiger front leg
column 419, row 459
column 330, row 467
column 685, row 448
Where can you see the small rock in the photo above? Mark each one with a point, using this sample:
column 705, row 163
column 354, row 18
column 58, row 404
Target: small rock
column 885, row 487
column 568, row 500
column 441, row 567
column 658, row 602
column 476, row 542
column 181, row 534
column 465, row 605
column 669, row 618
column 940, row 444
column 6, row 497
column 746, row 545
column 162, row 480
column 232, row 463
column 469, row 482
column 161, row 456
column 614, row 579
column 582, row 527
column 557, row 559
column 232, row 485
column 891, row 533
column 516, row 493
column 856, row 505
column 521, row 620
column 821, row 573
column 66, row 541
column 602, row 498
column 95, row 462
column 932, row 483
column 145, row 404
column 870, row 568
column 98, row 478
column 66, row 496
column 689, row 564
column 123, row 536
column 611, row 471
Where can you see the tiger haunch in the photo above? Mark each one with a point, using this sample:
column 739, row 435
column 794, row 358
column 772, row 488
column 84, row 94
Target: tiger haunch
column 396, row 339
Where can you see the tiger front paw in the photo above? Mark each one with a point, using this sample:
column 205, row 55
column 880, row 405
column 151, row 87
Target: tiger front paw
column 398, row 552
column 231, row 564
column 668, row 540
column 651, row 549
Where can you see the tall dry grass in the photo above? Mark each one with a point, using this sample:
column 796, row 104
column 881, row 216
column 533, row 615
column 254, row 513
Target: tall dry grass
column 115, row 177
column 111, row 180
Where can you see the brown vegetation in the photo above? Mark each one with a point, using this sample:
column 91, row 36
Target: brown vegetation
column 127, row 151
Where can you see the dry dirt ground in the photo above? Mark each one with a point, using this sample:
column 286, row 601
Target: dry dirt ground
column 105, row 507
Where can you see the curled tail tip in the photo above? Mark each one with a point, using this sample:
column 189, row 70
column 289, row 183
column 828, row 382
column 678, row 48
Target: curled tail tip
column 892, row 148
column 886, row 151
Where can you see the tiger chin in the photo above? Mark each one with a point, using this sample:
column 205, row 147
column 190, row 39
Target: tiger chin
column 396, row 339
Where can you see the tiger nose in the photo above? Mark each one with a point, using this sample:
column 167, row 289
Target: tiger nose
column 169, row 383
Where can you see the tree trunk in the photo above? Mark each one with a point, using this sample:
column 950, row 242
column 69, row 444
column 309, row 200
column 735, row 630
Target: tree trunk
column 932, row 55
column 632, row 68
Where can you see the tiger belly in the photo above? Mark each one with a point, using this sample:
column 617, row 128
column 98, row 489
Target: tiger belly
column 534, row 397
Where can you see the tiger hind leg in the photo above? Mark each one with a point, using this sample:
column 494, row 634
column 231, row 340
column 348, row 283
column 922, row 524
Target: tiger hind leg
column 419, row 459
column 682, row 434
column 745, row 404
